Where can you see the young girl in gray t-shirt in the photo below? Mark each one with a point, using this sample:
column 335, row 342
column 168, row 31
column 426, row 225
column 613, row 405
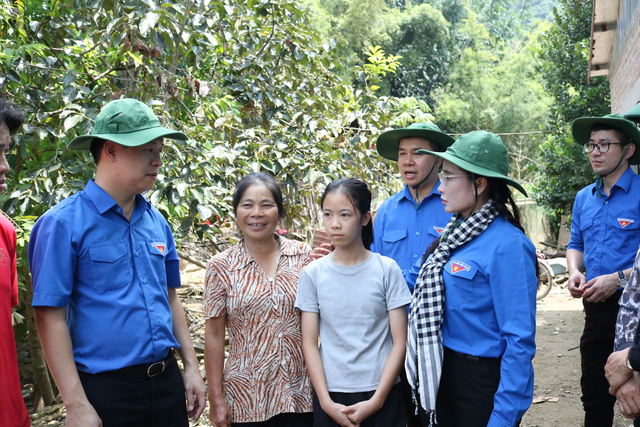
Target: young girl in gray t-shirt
column 355, row 300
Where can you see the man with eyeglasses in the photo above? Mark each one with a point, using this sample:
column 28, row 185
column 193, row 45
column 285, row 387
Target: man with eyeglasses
column 605, row 235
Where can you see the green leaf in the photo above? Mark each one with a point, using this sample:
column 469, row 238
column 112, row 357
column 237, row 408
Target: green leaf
column 71, row 121
column 204, row 212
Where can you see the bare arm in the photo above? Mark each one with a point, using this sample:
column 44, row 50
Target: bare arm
column 316, row 369
column 398, row 324
column 575, row 263
column 193, row 384
column 219, row 414
column 56, row 343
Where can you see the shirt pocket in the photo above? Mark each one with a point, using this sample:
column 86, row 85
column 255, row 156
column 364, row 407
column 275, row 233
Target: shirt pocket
column 157, row 249
column 394, row 240
column 110, row 266
column 458, row 279
column 626, row 234
column 586, row 223
column 436, row 231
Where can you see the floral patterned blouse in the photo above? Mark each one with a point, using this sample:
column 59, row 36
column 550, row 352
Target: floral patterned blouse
column 265, row 374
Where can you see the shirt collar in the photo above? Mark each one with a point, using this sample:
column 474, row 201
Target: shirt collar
column 103, row 201
column 406, row 193
column 244, row 258
column 624, row 182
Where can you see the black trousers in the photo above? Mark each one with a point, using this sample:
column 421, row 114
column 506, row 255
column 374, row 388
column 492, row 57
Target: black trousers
column 390, row 415
column 596, row 344
column 283, row 420
column 413, row 420
column 467, row 388
column 137, row 400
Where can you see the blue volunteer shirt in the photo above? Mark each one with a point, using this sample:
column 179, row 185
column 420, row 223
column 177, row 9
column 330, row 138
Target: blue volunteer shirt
column 403, row 233
column 490, row 309
column 111, row 274
column 606, row 229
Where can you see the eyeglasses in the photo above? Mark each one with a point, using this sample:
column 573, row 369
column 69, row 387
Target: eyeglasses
column 444, row 179
column 603, row 147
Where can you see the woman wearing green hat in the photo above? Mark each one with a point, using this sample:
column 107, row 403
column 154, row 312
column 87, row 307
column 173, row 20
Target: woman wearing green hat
column 472, row 316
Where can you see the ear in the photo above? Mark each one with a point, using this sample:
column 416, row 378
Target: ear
column 109, row 150
column 439, row 163
column 631, row 149
column 481, row 184
column 366, row 218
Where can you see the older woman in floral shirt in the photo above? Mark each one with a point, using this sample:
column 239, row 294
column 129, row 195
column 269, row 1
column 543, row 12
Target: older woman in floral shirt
column 251, row 289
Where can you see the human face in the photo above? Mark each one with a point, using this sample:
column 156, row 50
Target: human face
column 415, row 167
column 5, row 142
column 605, row 163
column 342, row 222
column 458, row 195
column 137, row 167
column 257, row 213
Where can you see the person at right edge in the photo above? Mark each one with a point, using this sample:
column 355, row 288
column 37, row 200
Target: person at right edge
column 623, row 365
column 605, row 235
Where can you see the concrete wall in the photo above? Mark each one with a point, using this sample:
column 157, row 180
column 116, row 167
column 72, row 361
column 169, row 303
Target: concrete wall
column 625, row 77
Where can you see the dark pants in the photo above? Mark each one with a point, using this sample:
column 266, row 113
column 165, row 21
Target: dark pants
column 390, row 415
column 137, row 400
column 467, row 388
column 413, row 420
column 283, row 420
column 596, row 344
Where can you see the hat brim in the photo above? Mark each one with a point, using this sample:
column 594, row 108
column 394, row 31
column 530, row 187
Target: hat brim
column 581, row 130
column 478, row 170
column 131, row 139
column 633, row 114
column 387, row 144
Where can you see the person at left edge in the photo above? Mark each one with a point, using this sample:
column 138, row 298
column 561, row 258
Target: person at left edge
column 13, row 412
column 105, row 272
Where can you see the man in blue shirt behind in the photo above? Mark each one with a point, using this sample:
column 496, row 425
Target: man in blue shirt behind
column 105, row 272
column 605, row 235
column 409, row 221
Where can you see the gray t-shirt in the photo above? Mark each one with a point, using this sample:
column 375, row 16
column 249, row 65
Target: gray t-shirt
column 353, row 304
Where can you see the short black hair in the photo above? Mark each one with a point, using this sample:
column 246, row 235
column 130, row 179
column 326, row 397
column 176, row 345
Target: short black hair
column 10, row 115
column 622, row 137
column 258, row 178
column 96, row 148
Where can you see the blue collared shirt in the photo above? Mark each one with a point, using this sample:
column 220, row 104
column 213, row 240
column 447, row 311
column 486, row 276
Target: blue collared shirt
column 403, row 233
column 490, row 309
column 112, row 275
column 606, row 229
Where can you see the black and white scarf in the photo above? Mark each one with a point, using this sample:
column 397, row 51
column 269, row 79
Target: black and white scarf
column 424, row 340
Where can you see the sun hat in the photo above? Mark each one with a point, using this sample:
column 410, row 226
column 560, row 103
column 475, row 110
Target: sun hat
column 481, row 153
column 127, row 122
column 581, row 130
column 633, row 114
column 387, row 143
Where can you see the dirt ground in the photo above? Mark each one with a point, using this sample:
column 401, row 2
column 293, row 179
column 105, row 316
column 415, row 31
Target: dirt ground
column 557, row 363
column 560, row 321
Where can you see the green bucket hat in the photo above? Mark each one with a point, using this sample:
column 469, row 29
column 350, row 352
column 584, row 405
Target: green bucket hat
column 581, row 130
column 387, row 143
column 127, row 122
column 633, row 114
column 481, row 153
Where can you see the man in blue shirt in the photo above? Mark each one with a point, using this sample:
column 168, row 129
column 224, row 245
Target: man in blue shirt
column 105, row 272
column 605, row 235
column 409, row 221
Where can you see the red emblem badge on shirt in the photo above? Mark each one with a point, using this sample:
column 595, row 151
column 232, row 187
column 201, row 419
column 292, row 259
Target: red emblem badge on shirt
column 438, row 229
column 159, row 246
column 624, row 222
column 458, row 266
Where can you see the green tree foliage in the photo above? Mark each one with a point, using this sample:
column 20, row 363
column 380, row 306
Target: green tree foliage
column 497, row 88
column 564, row 59
column 251, row 83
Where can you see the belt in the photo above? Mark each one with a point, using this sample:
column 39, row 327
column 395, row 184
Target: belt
column 150, row 370
column 469, row 357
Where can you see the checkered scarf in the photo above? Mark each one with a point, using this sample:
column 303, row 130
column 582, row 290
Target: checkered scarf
column 424, row 341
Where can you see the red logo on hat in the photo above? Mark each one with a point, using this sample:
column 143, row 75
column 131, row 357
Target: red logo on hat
column 438, row 229
column 159, row 246
column 458, row 266
column 624, row 222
